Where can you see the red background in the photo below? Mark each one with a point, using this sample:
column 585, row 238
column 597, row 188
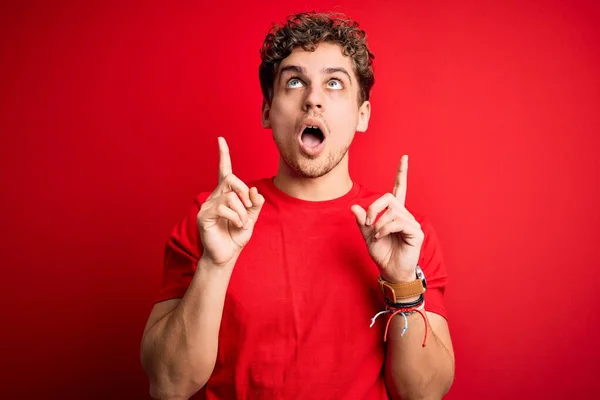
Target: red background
column 109, row 117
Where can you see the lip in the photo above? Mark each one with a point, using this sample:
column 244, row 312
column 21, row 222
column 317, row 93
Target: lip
column 312, row 151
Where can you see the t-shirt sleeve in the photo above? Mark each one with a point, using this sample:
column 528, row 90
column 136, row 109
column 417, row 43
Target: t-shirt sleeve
column 182, row 252
column 434, row 269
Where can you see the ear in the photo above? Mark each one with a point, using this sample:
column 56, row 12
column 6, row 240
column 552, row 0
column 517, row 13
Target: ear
column 266, row 108
column 364, row 113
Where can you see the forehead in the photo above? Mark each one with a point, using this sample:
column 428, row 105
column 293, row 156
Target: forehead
column 326, row 55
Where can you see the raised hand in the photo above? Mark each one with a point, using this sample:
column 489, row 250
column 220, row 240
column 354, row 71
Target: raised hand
column 227, row 217
column 393, row 238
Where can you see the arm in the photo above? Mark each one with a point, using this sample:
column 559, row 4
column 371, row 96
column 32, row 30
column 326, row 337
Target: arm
column 416, row 372
column 180, row 341
column 396, row 242
column 179, row 346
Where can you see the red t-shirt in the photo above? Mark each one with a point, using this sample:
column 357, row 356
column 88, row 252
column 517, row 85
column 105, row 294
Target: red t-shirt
column 300, row 300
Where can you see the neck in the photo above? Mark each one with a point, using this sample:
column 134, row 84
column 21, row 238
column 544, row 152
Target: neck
column 332, row 185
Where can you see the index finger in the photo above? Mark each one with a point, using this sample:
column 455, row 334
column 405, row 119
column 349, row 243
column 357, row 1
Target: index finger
column 224, row 159
column 401, row 179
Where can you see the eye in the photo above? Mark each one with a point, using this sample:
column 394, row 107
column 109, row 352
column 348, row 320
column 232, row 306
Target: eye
column 294, row 83
column 335, row 84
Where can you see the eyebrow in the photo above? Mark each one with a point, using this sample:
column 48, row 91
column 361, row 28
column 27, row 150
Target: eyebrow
column 299, row 70
column 290, row 69
column 333, row 70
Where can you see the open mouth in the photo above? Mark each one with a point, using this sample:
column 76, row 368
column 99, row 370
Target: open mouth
column 312, row 136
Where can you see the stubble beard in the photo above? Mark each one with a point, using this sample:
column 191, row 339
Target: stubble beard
column 306, row 166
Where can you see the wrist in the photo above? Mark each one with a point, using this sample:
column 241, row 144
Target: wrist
column 205, row 264
column 403, row 288
column 399, row 278
column 411, row 299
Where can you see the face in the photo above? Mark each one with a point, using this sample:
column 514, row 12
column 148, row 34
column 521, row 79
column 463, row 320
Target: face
column 315, row 112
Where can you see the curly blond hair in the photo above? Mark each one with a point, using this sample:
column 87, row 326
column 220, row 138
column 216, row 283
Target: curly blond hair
column 307, row 30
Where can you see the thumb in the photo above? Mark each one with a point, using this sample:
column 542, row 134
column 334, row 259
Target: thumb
column 361, row 216
column 258, row 201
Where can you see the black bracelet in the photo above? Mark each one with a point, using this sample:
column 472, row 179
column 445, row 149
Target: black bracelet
column 406, row 305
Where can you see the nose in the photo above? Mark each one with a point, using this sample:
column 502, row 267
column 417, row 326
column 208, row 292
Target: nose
column 314, row 100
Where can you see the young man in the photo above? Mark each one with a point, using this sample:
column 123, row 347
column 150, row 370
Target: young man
column 269, row 288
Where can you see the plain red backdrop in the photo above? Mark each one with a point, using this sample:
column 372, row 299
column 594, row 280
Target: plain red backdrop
column 109, row 117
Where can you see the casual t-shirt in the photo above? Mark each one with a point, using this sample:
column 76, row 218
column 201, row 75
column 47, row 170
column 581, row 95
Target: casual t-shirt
column 299, row 303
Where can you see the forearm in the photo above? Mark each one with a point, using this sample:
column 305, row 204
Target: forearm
column 181, row 349
column 413, row 371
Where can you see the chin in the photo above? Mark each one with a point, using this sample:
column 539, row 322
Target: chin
column 308, row 167
column 312, row 172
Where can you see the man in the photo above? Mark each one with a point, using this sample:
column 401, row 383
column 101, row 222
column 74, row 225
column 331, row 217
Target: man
column 268, row 289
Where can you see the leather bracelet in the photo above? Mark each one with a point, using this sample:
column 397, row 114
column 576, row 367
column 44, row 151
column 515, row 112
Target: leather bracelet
column 406, row 305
